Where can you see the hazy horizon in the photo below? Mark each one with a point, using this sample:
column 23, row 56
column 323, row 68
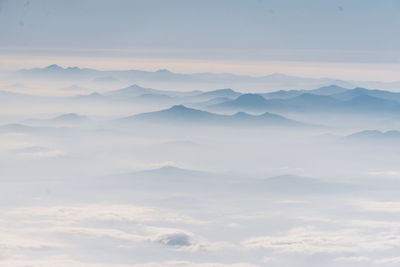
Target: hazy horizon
column 336, row 39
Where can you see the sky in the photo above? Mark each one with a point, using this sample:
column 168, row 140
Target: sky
column 254, row 32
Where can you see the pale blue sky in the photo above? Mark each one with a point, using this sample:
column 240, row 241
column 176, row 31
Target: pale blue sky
column 280, row 29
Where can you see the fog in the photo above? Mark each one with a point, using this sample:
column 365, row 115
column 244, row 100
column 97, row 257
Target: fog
column 133, row 175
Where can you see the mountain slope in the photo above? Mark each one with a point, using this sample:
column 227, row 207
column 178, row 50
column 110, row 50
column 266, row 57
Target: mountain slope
column 246, row 102
column 182, row 114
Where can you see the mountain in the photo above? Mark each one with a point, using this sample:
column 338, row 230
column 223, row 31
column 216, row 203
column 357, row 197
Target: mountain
column 70, row 118
column 275, row 81
column 136, row 90
column 370, row 104
column 283, row 94
column 182, row 114
column 64, row 119
column 163, row 180
column 328, row 90
column 308, row 102
column 357, row 101
column 132, row 91
column 358, row 92
column 205, row 104
column 56, row 72
column 323, row 91
column 171, row 171
column 247, row 102
column 300, row 103
column 223, row 93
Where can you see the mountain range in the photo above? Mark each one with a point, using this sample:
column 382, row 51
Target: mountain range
column 351, row 101
column 180, row 114
column 275, row 81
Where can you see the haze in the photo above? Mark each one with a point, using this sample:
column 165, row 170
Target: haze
column 199, row 133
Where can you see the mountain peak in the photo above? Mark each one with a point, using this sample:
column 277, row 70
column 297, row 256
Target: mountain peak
column 70, row 117
column 179, row 108
column 53, row 67
column 163, row 71
column 73, row 68
column 134, row 86
column 251, row 98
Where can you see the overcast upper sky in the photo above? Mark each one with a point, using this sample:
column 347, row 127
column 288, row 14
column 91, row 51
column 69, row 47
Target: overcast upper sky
column 367, row 25
column 357, row 31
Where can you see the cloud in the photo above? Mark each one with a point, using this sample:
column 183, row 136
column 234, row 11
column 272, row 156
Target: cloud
column 96, row 233
column 103, row 212
column 176, row 240
column 72, row 224
column 394, row 260
column 310, row 240
column 55, row 261
column 43, row 154
column 352, row 259
column 193, row 264
column 388, row 206
column 15, row 240
column 63, row 261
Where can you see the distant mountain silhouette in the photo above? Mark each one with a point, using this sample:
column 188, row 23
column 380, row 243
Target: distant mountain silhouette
column 71, row 117
column 357, row 101
column 251, row 102
column 370, row 104
column 328, row 90
column 276, row 80
column 283, row 94
column 64, row 119
column 299, row 103
column 56, row 72
column 358, row 92
column 133, row 91
column 226, row 93
column 324, row 91
column 136, row 90
column 170, row 171
column 182, row 114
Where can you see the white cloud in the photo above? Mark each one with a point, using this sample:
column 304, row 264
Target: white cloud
column 377, row 206
column 58, row 261
column 63, row 261
column 352, row 259
column 389, row 261
column 99, row 212
column 309, row 240
column 43, row 154
column 192, row 264
column 15, row 240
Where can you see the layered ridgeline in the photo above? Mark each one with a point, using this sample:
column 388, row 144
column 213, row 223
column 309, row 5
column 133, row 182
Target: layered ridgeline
column 331, row 99
column 179, row 114
column 326, row 99
column 275, row 81
column 281, row 81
